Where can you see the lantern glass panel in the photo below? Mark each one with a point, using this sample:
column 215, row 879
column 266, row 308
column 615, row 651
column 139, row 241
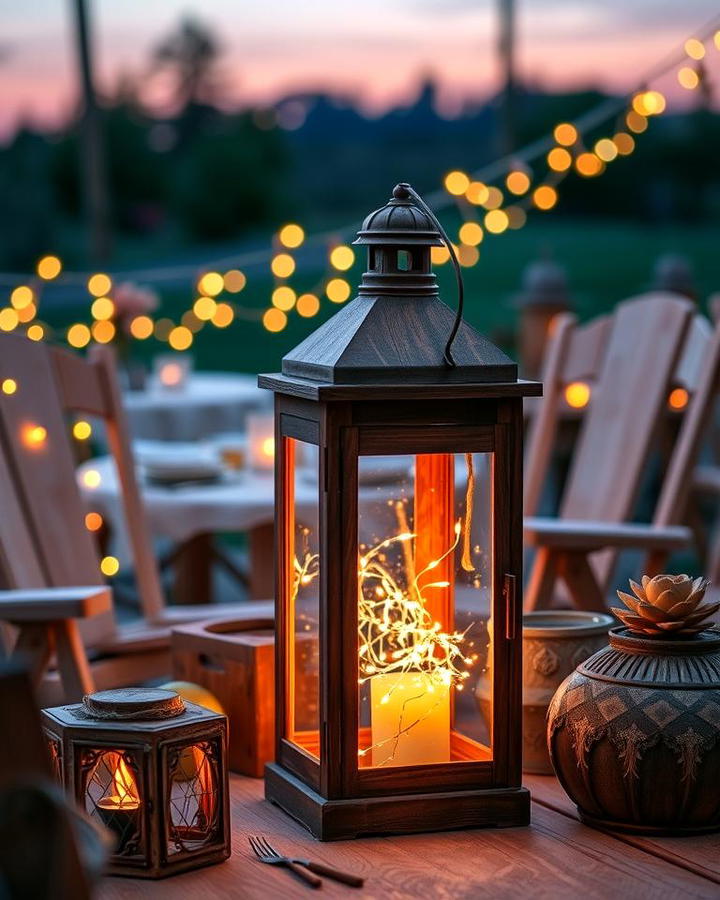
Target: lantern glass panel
column 425, row 598
column 113, row 795
column 302, row 591
column 193, row 797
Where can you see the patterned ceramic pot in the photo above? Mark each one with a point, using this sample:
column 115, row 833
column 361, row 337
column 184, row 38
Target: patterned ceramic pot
column 634, row 734
column 555, row 642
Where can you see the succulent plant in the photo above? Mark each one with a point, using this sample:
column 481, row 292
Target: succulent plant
column 667, row 605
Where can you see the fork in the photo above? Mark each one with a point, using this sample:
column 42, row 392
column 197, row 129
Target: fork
column 267, row 854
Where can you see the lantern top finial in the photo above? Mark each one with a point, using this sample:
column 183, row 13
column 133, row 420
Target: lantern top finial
column 399, row 222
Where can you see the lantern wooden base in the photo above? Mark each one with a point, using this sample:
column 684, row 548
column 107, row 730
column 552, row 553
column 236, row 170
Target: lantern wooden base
column 334, row 820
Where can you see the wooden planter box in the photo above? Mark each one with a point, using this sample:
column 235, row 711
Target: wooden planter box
column 234, row 660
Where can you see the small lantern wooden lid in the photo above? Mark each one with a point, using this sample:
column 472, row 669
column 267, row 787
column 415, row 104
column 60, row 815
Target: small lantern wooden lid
column 129, row 704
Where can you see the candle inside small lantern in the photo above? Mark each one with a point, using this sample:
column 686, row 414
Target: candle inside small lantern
column 172, row 370
column 119, row 810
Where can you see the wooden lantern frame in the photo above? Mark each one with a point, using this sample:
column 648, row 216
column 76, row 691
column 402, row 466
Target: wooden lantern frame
column 151, row 745
column 333, row 796
column 378, row 379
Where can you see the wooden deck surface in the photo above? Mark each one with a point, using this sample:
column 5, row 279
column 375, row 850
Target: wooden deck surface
column 556, row 857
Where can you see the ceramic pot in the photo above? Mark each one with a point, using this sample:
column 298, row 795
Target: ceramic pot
column 634, row 734
column 555, row 642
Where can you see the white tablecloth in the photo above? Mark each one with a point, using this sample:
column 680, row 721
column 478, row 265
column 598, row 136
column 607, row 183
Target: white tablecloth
column 211, row 403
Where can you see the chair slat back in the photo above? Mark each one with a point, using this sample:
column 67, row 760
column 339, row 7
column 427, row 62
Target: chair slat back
column 629, row 398
column 44, row 538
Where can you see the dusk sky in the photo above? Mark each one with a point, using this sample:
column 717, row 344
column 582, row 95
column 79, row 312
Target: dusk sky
column 372, row 49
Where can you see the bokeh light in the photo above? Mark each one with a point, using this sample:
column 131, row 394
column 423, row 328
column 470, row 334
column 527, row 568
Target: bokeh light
column 545, row 197
column 496, row 221
column 234, row 281
column 9, row 319
column 439, row 255
column 274, row 319
column 470, row 233
column 9, row 386
column 688, row 78
column 78, row 335
column 565, row 134
column 337, row 290
column 494, row 199
column 109, row 565
column 456, row 183
column 291, row 235
column 223, row 316
column 102, row 308
column 81, row 430
column 624, row 142
column 91, row 478
column 141, row 327
column 103, row 331
column 518, row 182
column 162, row 329
column 49, row 267
column 180, row 338
column 99, row 284
column 35, row 332
column 307, row 305
column 33, row 436
column 342, row 258
column 210, row 284
column 678, row 398
column 694, row 48
column 283, row 298
column 559, row 159
column 467, row 255
column 636, row 122
column 27, row 313
column 577, row 394
column 282, row 265
column 476, row 193
column 606, row 150
column 204, row 308
column 21, row 297
column 588, row 165
column 93, row 521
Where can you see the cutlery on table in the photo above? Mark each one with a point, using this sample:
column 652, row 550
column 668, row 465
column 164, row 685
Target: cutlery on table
column 303, row 868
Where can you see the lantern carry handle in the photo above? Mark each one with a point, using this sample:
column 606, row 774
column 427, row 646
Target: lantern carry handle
column 456, row 265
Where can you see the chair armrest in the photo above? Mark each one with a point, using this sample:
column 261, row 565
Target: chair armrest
column 52, row 604
column 577, row 534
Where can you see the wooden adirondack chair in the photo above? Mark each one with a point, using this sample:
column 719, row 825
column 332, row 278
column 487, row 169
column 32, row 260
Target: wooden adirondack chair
column 44, row 544
column 631, row 360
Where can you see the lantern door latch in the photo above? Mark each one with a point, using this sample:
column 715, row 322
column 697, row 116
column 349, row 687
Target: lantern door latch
column 510, row 596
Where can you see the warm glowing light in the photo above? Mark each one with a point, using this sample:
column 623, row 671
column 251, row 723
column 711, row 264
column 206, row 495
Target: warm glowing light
column 33, row 436
column 180, row 338
column 204, row 308
column 635, row 122
column 624, row 142
column 210, row 284
column 234, row 281
column 91, row 478
column 342, row 258
column 78, row 335
column 109, row 565
column 439, row 255
column 283, row 298
column 577, row 394
column 471, row 234
column 565, row 134
column 163, row 327
column 81, row 430
column 35, row 332
column 171, row 374
column 559, row 159
column 605, row 149
column 517, row 182
column 49, row 267
column 456, row 183
column 467, row 255
column 99, row 285
column 103, row 308
column 9, row 386
column 103, row 332
column 291, row 235
column 141, row 327
column 476, row 193
column 494, row 198
column 267, row 448
column 588, row 164
column 307, row 305
column 648, row 103
column 282, row 265
column 124, row 794
column 224, row 314
column 9, row 319
column 716, row 39
column 337, row 290
column 27, row 313
column 274, row 319
column 694, row 48
column 678, row 398
column 545, row 197
column 22, row 296
column 496, row 221
column 517, row 217
column 93, row 521
column 688, row 78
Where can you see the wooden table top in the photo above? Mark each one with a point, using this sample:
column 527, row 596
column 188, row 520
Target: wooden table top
column 556, row 857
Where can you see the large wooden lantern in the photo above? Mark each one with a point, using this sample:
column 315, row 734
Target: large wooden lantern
column 150, row 767
column 399, row 555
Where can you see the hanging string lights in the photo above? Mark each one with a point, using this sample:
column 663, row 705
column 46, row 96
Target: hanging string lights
column 491, row 202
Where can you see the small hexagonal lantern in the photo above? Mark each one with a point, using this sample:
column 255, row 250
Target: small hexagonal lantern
column 153, row 769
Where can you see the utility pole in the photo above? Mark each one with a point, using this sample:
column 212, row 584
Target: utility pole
column 92, row 161
column 506, row 59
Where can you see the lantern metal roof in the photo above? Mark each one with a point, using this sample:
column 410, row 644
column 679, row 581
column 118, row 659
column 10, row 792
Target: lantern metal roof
column 395, row 331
